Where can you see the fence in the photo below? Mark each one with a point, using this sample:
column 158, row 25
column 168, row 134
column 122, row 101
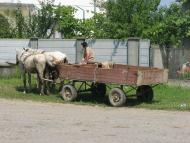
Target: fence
column 171, row 58
column 8, row 50
column 104, row 49
column 133, row 51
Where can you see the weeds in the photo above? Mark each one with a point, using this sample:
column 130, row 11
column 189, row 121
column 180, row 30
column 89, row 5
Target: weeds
column 166, row 97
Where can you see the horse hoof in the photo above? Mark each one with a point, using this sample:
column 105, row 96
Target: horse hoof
column 41, row 94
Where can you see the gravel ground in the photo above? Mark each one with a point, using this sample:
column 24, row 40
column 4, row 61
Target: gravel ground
column 34, row 122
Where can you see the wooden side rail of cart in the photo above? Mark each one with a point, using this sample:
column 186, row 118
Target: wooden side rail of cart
column 95, row 78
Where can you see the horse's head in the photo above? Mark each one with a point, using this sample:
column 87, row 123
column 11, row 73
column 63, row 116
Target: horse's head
column 65, row 61
column 22, row 53
column 19, row 54
column 29, row 50
column 62, row 61
column 187, row 64
column 56, row 58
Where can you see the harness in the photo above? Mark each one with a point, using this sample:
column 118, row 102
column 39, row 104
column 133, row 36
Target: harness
column 34, row 52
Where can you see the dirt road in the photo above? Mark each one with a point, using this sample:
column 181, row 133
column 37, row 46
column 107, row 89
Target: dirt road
column 31, row 122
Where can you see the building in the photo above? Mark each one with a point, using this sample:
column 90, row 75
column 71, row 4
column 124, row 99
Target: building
column 8, row 9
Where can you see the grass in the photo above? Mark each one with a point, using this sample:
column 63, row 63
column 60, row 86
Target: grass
column 166, row 97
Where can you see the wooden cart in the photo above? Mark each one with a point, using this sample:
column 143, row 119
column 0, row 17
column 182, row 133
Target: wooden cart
column 93, row 78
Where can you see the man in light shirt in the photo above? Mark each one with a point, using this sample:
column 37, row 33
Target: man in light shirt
column 88, row 55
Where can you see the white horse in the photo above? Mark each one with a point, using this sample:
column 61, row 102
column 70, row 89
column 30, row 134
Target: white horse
column 53, row 58
column 45, row 63
column 32, row 63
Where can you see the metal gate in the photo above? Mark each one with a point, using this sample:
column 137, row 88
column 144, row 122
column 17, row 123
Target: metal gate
column 144, row 53
column 138, row 52
column 133, row 51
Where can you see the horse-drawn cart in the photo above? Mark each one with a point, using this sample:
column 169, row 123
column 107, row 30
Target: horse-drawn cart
column 92, row 77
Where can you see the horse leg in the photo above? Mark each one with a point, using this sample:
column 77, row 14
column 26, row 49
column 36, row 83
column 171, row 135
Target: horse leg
column 29, row 81
column 23, row 75
column 45, row 86
column 40, row 64
column 38, row 82
column 47, row 76
column 24, row 82
column 41, row 85
column 54, row 77
column 41, row 74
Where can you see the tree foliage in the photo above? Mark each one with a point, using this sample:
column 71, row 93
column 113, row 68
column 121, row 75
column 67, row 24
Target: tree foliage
column 5, row 31
column 171, row 25
column 42, row 21
column 121, row 19
column 20, row 23
column 95, row 27
column 130, row 18
column 66, row 23
column 46, row 20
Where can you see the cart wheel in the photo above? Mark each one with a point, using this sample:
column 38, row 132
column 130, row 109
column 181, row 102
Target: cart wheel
column 98, row 89
column 145, row 93
column 69, row 92
column 117, row 97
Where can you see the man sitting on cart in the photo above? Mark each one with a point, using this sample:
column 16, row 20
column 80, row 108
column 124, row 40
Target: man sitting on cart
column 88, row 55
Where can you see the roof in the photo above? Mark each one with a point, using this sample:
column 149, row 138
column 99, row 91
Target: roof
column 8, row 9
column 16, row 4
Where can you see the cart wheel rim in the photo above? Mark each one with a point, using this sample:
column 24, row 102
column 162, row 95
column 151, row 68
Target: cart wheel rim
column 68, row 93
column 115, row 97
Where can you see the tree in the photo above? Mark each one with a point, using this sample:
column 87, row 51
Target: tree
column 52, row 18
column 130, row 18
column 86, row 28
column 101, row 26
column 36, row 25
column 5, row 29
column 95, row 27
column 45, row 19
column 66, row 23
column 20, row 23
column 171, row 25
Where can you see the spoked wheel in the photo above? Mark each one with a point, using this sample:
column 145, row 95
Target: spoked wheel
column 69, row 92
column 145, row 93
column 98, row 89
column 117, row 97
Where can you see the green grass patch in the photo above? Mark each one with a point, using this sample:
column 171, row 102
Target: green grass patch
column 166, row 97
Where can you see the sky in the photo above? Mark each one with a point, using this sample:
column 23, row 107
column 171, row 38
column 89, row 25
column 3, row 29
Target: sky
column 166, row 2
column 75, row 2
column 85, row 5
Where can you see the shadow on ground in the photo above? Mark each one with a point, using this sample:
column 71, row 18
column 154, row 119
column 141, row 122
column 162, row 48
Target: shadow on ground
column 130, row 102
column 88, row 98
column 35, row 90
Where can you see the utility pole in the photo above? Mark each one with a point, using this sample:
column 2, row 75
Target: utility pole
column 94, row 14
column 94, row 7
column 82, row 11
